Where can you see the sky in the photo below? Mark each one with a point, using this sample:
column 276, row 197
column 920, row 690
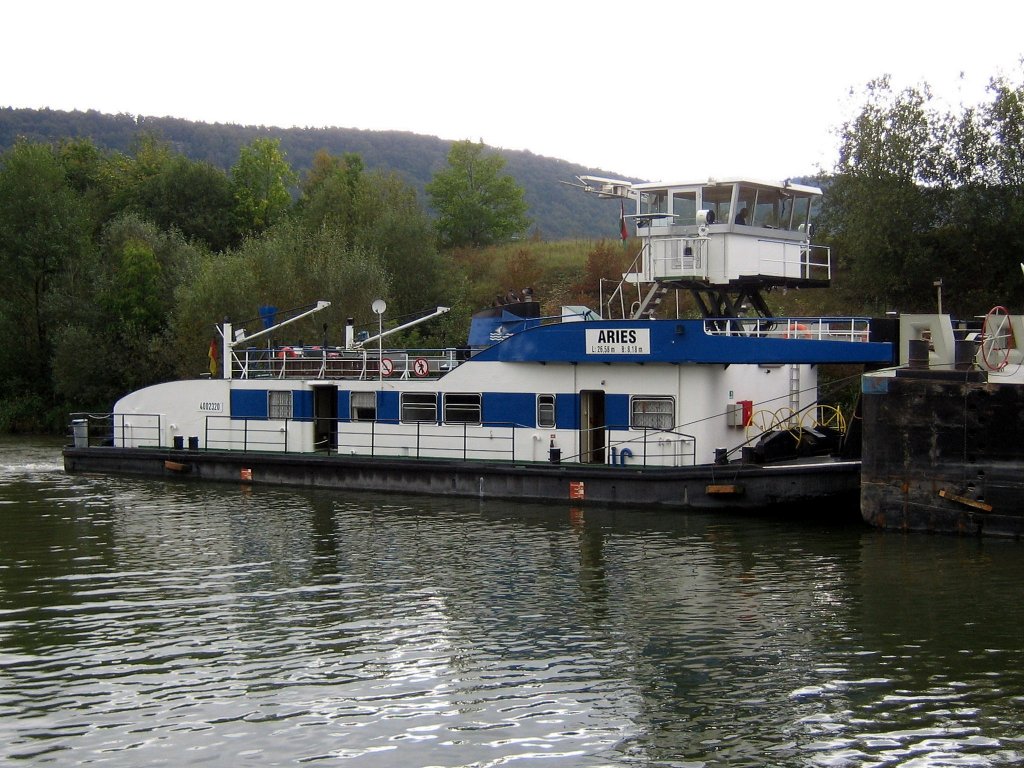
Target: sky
column 676, row 91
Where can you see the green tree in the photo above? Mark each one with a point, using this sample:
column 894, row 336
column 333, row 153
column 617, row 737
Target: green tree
column 291, row 266
column 44, row 226
column 331, row 192
column 379, row 213
column 121, row 314
column 921, row 194
column 193, row 197
column 394, row 225
column 476, row 204
column 261, row 181
column 879, row 204
column 92, row 173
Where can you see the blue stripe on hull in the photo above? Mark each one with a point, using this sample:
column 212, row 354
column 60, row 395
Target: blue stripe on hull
column 678, row 341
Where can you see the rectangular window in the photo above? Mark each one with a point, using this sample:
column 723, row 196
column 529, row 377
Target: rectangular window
column 363, row 406
column 684, row 208
column 654, row 202
column 718, row 200
column 461, row 409
column 419, row 406
column 652, row 413
column 279, row 404
column 545, row 411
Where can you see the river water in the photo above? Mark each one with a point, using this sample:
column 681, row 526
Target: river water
column 147, row 622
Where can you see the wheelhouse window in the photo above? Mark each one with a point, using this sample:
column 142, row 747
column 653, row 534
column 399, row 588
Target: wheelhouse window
column 546, row 411
column 684, row 208
column 363, row 406
column 419, row 406
column 279, row 404
column 787, row 209
column 718, row 200
column 654, row 202
column 461, row 408
column 652, row 412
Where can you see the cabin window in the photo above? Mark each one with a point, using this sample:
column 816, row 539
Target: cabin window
column 653, row 202
column 746, row 199
column 461, row 408
column 684, row 208
column 419, row 406
column 801, row 207
column 717, row 200
column 363, row 406
column 279, row 404
column 772, row 208
column 766, row 212
column 652, row 413
column 546, row 411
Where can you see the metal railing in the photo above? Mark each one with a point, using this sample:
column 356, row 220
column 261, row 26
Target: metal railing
column 340, row 363
column 619, row 444
column 248, row 434
column 135, row 430
column 820, row 328
column 618, row 293
column 809, row 262
column 427, row 439
column 679, row 258
column 622, row 443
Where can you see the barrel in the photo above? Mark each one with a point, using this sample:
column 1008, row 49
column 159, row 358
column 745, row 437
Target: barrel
column 917, row 353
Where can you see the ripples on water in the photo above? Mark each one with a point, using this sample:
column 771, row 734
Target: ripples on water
column 145, row 622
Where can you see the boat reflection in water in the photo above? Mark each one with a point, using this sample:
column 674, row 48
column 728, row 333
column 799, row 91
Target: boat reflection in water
column 145, row 620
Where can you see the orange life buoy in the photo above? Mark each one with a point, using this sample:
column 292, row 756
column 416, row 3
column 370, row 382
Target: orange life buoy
column 797, row 331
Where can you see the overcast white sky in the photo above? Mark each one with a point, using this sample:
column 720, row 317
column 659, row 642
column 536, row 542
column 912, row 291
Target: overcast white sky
column 672, row 90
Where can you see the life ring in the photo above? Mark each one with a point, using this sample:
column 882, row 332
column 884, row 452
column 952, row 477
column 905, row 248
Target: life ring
column 797, row 331
column 287, row 352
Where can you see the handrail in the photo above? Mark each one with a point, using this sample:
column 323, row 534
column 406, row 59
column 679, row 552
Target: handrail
column 808, row 266
column 488, row 440
column 136, row 430
column 298, row 362
column 632, row 270
column 642, row 440
column 820, row 328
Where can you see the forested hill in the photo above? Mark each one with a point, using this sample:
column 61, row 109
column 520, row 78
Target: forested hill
column 558, row 211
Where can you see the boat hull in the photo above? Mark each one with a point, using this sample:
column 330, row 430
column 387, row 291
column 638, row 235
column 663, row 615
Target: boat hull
column 823, row 487
column 942, row 453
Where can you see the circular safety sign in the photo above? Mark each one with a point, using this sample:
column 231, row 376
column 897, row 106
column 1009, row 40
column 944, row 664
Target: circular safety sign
column 420, row 367
column 387, row 366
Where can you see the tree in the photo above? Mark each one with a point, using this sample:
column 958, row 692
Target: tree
column 193, row 197
column 120, row 313
column 920, row 194
column 394, row 225
column 883, row 199
column 332, row 191
column 290, row 266
column 378, row 213
column 44, row 226
column 476, row 204
column 261, row 181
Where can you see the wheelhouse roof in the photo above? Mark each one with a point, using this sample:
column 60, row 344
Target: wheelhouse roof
column 758, row 183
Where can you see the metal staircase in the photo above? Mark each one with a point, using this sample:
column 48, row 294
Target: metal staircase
column 648, row 308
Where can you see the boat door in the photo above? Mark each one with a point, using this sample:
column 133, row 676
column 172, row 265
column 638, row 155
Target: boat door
column 592, row 426
column 325, row 418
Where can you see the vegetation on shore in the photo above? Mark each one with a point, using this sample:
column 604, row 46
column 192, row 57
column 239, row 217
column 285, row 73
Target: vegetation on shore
column 118, row 265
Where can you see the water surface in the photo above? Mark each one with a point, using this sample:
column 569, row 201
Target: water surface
column 148, row 622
